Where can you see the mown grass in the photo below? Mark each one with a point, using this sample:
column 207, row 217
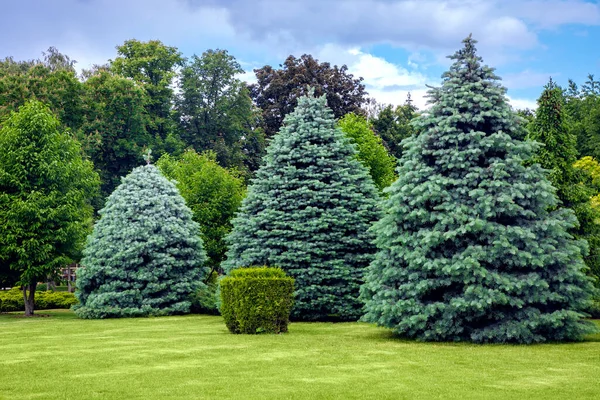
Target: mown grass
column 194, row 357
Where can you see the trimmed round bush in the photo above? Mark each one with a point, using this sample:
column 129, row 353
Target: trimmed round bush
column 257, row 300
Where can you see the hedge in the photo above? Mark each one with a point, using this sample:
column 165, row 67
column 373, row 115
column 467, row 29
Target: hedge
column 12, row 300
column 257, row 300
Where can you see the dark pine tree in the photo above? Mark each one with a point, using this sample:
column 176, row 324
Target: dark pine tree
column 558, row 155
column 308, row 211
column 470, row 247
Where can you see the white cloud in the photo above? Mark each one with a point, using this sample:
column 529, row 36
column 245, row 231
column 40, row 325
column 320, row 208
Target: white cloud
column 501, row 26
column 552, row 13
column 522, row 103
column 88, row 31
column 387, row 82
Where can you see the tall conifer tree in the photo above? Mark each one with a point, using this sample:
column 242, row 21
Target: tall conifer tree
column 558, row 155
column 308, row 211
column 145, row 255
column 470, row 247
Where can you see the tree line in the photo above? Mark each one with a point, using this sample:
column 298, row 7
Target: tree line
column 210, row 136
column 150, row 96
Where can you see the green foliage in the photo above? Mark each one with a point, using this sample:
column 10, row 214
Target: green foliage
column 215, row 110
column 145, row 256
column 559, row 155
column 308, row 211
column 471, row 246
column 277, row 91
column 257, row 300
column 588, row 212
column 583, row 116
column 394, row 125
column 371, row 152
column 12, row 300
column 52, row 80
column 205, row 299
column 113, row 132
column 153, row 66
column 45, row 191
column 212, row 192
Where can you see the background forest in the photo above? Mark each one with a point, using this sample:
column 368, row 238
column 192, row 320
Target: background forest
column 208, row 130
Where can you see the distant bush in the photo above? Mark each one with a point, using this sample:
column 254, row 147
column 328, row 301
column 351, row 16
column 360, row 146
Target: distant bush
column 256, row 300
column 42, row 287
column 204, row 300
column 595, row 308
column 12, row 300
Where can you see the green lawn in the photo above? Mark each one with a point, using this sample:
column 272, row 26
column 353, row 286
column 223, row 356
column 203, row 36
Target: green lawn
column 62, row 357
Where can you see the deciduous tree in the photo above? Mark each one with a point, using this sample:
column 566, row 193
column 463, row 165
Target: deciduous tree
column 277, row 91
column 113, row 132
column 214, row 108
column 45, row 192
column 394, row 125
column 212, row 192
column 371, row 151
column 153, row 65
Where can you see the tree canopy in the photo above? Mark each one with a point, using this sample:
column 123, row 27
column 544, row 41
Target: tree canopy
column 45, row 191
column 113, row 132
column 277, row 91
column 215, row 111
column 371, row 152
column 212, row 192
column 153, row 66
column 393, row 124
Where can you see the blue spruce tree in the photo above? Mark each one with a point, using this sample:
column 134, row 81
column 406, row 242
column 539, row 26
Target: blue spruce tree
column 145, row 256
column 308, row 212
column 469, row 247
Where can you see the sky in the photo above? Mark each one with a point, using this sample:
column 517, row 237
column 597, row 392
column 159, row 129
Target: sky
column 397, row 46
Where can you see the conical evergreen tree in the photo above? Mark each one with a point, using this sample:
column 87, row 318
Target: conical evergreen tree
column 145, row 256
column 308, row 211
column 558, row 155
column 468, row 249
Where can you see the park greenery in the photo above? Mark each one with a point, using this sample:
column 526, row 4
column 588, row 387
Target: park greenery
column 194, row 356
column 466, row 221
column 257, row 300
column 472, row 245
column 308, row 211
column 145, row 256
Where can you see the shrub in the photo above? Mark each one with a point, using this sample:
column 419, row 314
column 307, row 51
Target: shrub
column 12, row 300
column 594, row 310
column 257, row 300
column 204, row 300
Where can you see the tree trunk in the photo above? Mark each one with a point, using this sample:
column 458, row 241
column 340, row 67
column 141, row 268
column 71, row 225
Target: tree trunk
column 69, row 278
column 29, row 300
